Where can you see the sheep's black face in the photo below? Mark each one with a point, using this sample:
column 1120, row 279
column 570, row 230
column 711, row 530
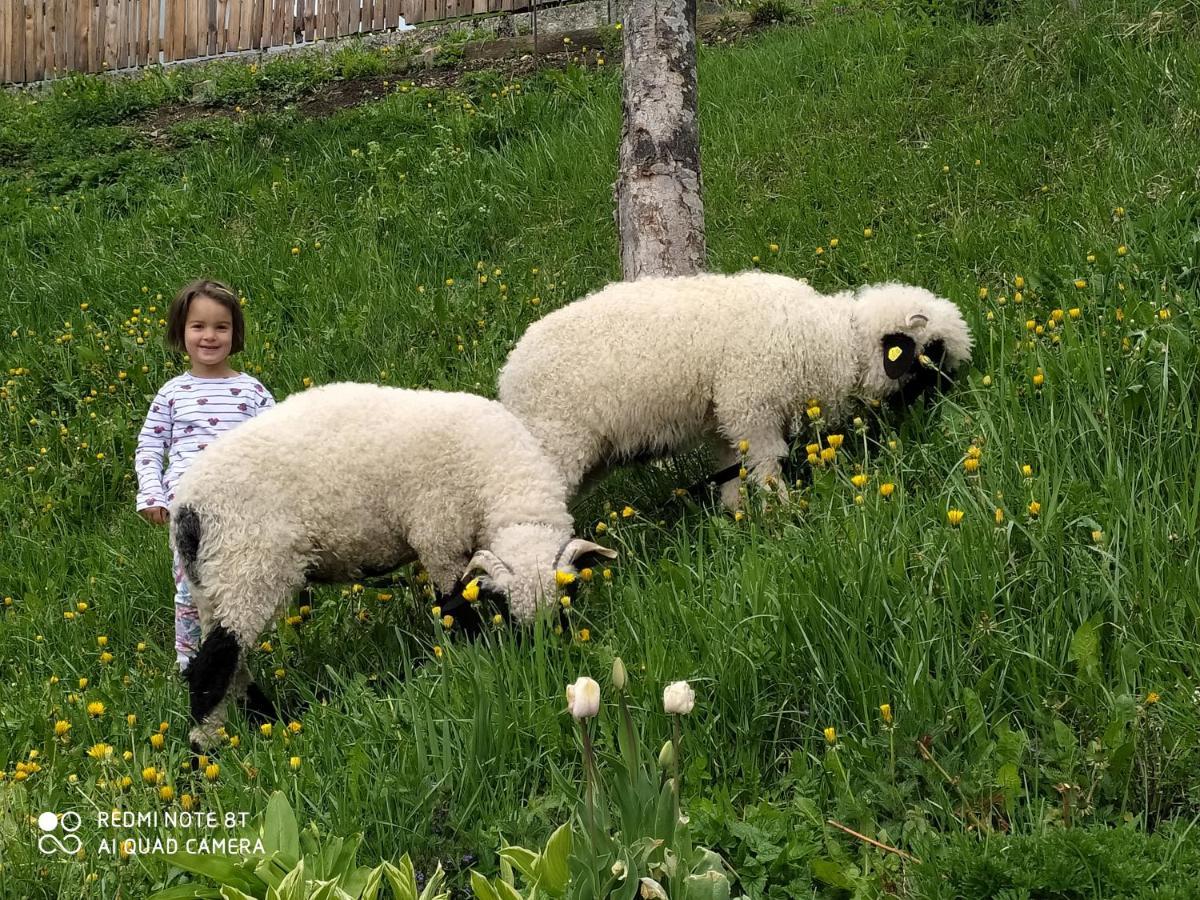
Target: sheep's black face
column 918, row 379
column 472, row 616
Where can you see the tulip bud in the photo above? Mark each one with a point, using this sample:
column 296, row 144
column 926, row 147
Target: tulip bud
column 619, row 676
column 666, row 756
column 678, row 698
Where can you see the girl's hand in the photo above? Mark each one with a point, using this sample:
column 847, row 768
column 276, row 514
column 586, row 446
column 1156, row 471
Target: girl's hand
column 155, row 515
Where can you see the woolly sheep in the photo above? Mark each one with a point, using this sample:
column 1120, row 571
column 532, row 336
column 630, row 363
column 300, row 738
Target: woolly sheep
column 724, row 358
column 350, row 480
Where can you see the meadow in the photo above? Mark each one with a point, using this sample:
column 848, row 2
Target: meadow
column 974, row 640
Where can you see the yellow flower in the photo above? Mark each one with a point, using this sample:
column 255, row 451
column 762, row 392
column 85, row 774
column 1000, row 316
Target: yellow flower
column 586, row 574
column 1122, row 250
column 157, row 741
column 295, row 727
column 601, row 528
column 774, row 248
column 187, row 802
column 743, row 447
column 831, row 735
column 437, row 651
column 628, row 512
column 95, row 709
column 860, row 480
column 983, row 292
column 266, row 728
column 859, row 500
column 497, row 619
column 565, row 601
column 885, row 710
column 971, row 464
column 813, row 449
column 166, row 793
column 562, row 579
column 973, row 452
column 61, row 727
column 606, row 574
column 1035, row 508
column 999, row 516
column 280, row 674
column 471, row 591
column 1027, row 470
column 1080, row 283
column 954, row 517
column 835, row 441
column 1074, row 312
column 584, row 635
column 447, row 621
column 887, row 489
column 1152, row 697
column 101, row 641
column 868, row 232
column 149, row 775
column 1097, row 536
column 1038, row 379
column 131, row 720
column 308, row 382
column 100, row 751
column 294, row 763
column 814, row 412
column 1164, row 314
column 739, row 515
column 81, row 606
column 828, row 454
column 212, row 771
column 833, row 242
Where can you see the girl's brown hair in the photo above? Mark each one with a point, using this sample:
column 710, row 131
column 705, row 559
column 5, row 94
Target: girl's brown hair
column 217, row 292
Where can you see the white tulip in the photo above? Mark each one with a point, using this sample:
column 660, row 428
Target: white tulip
column 583, row 698
column 678, row 699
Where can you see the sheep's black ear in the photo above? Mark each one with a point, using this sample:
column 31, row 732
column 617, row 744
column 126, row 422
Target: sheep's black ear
column 899, row 354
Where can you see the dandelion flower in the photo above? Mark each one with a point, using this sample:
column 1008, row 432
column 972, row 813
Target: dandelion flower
column 265, row 729
column 828, row 454
column 212, row 772
column 1080, row 283
column 95, row 709
column 954, row 517
column 562, row 579
column 157, row 741
column 830, row 735
column 100, row 751
column 1122, row 250
column 887, row 489
column 584, row 635
column 998, row 515
column 61, row 727
column 860, row 480
column 835, row 441
column 1152, row 697
column 971, row 464
column 1035, row 509
column 868, row 232
column 150, row 775
column 885, row 710
column 471, row 591
column 166, row 793
column 628, row 512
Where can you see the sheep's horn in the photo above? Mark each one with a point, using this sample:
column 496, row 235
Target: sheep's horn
column 916, row 320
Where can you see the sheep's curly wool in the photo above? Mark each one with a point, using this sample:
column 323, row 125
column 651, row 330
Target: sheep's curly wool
column 726, row 358
column 354, row 479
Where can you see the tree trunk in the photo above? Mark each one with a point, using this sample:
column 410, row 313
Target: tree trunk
column 660, row 214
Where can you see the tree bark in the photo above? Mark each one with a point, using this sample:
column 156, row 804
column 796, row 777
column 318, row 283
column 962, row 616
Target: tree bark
column 660, row 213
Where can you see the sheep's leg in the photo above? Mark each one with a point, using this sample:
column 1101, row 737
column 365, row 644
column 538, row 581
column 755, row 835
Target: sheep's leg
column 764, row 459
column 571, row 446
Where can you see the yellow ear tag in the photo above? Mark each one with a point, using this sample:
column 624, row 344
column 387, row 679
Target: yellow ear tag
column 471, row 591
column 894, row 354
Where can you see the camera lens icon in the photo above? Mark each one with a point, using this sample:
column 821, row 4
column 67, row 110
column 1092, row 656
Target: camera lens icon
column 49, row 822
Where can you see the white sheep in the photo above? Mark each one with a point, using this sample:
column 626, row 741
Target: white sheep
column 350, row 480
column 655, row 365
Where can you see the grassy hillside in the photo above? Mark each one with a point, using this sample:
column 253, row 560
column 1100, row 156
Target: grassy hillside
column 1040, row 170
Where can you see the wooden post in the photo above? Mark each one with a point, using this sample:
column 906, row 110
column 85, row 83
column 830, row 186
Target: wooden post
column 660, row 212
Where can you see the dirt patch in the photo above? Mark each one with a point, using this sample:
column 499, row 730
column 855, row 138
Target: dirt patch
column 511, row 58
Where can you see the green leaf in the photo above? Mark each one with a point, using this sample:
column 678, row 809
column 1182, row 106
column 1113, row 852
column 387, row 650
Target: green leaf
column 508, row 892
column 1085, row 646
column 374, row 880
column 524, row 861
column 482, row 888
column 231, row 893
column 187, row 892
column 553, row 866
column 402, row 879
column 433, row 886
column 292, row 886
column 220, row 869
column 976, row 721
column 831, row 873
column 710, row 885
column 1008, row 779
column 280, row 833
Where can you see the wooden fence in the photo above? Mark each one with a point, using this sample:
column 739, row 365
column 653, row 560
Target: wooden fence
column 45, row 38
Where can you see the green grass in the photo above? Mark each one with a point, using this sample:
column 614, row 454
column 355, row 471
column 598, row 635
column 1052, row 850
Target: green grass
column 1023, row 654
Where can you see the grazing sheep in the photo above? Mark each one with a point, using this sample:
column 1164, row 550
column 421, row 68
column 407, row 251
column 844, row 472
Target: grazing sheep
column 654, row 365
column 351, row 480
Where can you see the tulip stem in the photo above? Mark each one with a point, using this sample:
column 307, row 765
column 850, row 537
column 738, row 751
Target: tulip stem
column 675, row 773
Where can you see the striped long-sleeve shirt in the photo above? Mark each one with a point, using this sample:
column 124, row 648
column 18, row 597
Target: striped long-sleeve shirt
column 187, row 414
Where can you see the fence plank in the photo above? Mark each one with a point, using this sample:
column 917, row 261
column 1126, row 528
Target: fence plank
column 284, row 19
column 208, row 33
column 49, row 38
column 310, row 20
column 95, row 35
column 7, row 12
column 332, row 18
column 233, row 28
column 245, row 13
column 154, row 33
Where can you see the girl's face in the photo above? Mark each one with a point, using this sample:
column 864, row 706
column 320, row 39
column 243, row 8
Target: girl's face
column 208, row 333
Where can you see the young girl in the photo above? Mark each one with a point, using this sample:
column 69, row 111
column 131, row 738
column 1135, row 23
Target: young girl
column 189, row 412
